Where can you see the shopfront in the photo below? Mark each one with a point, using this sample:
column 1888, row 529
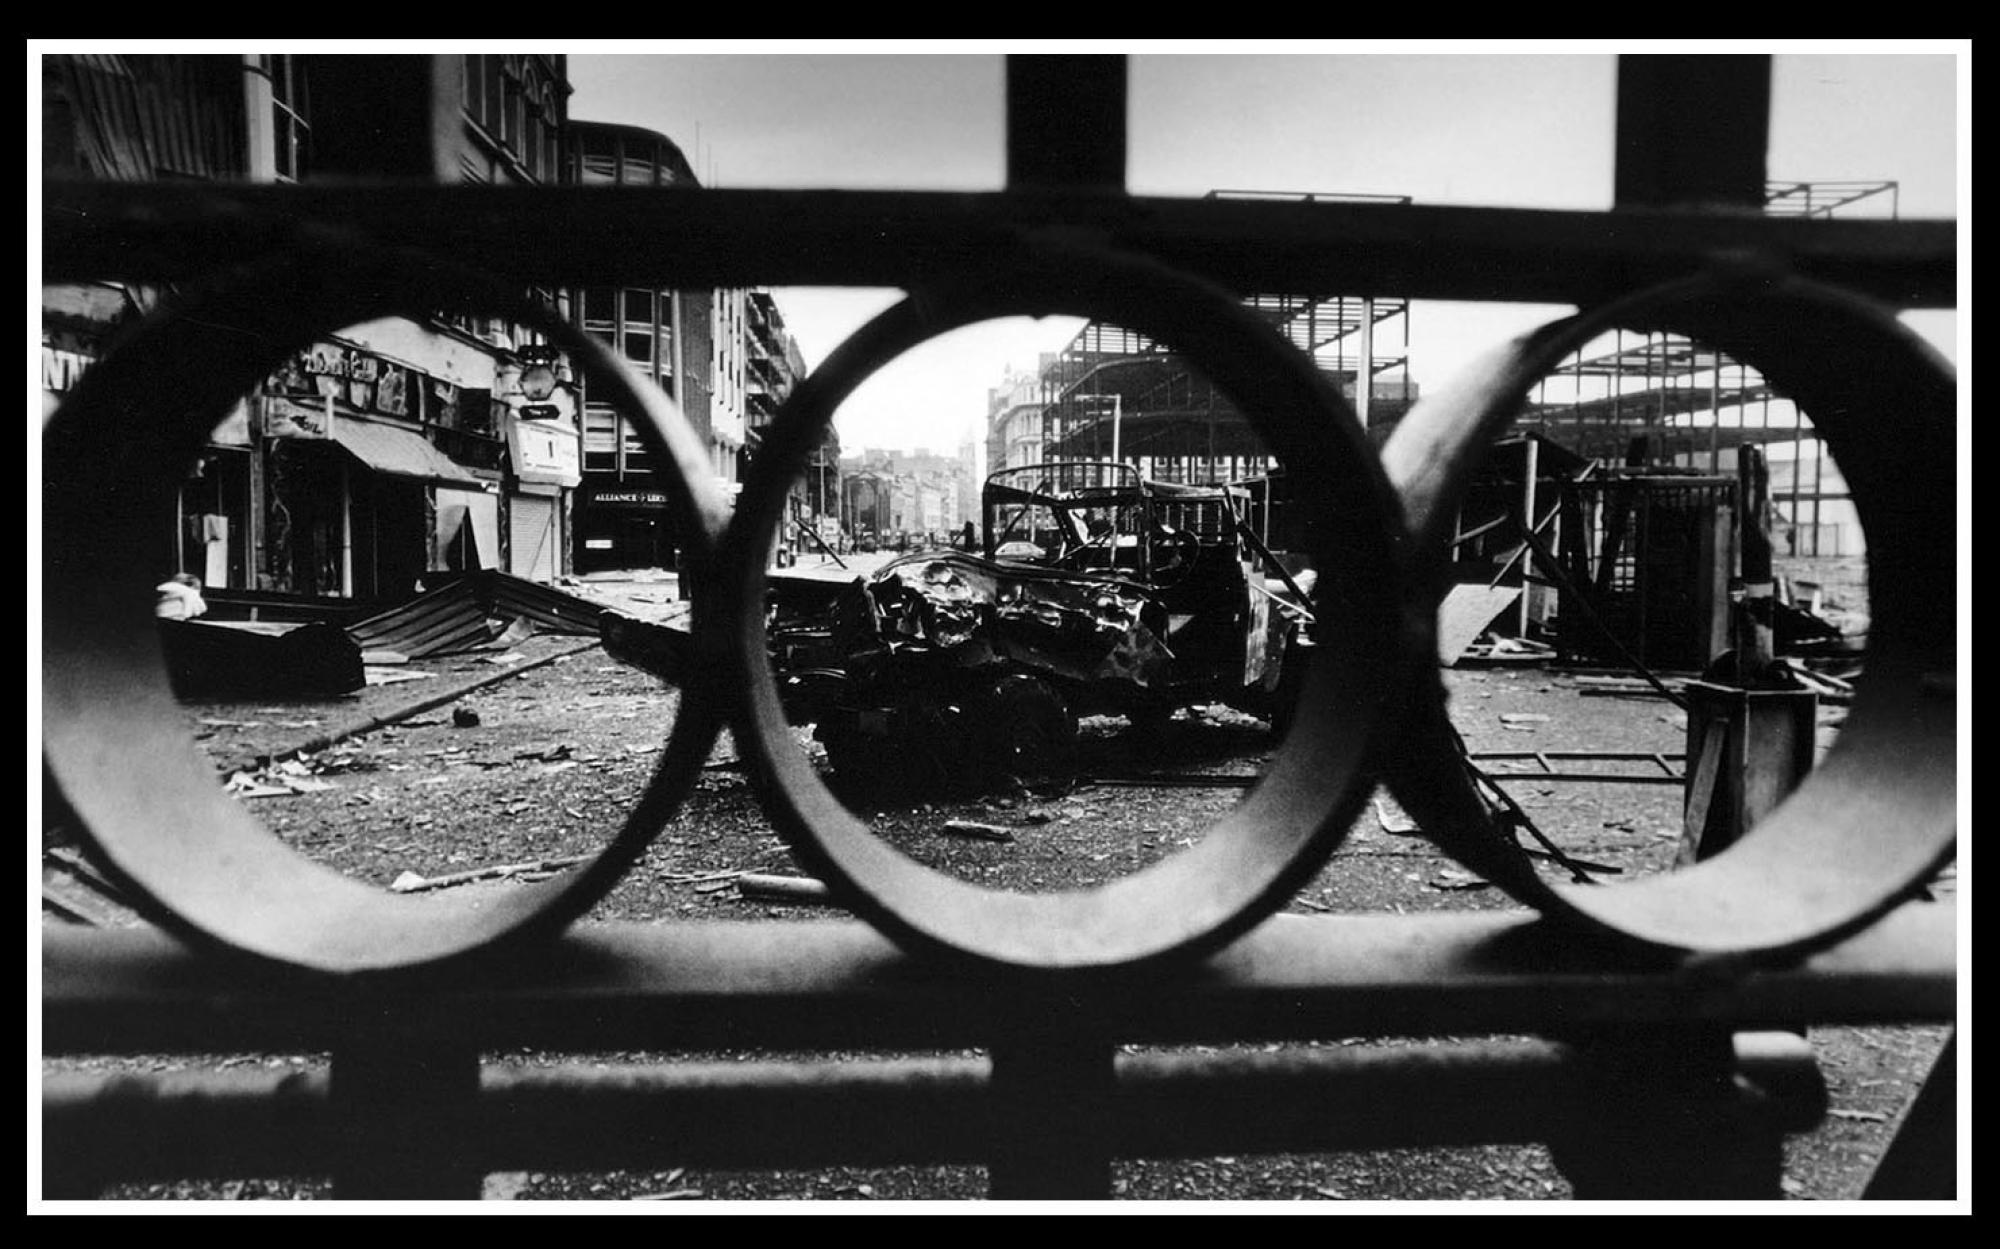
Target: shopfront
column 545, row 460
column 357, row 500
column 625, row 527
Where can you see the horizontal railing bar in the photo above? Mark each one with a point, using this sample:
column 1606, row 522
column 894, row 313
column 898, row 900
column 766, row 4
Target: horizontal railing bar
column 1479, row 756
column 697, row 238
column 835, row 983
column 1608, row 778
column 766, row 1115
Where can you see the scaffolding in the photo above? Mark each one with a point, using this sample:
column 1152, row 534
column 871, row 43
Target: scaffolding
column 1113, row 394
column 1658, row 400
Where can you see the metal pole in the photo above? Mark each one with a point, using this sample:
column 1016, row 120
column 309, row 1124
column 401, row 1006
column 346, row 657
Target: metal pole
column 1533, row 462
column 1364, row 375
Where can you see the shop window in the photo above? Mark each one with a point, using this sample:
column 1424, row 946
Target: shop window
column 475, row 412
column 392, row 392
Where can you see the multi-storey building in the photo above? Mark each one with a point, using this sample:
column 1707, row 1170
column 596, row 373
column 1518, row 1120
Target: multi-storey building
column 774, row 365
column 679, row 340
column 1014, row 419
column 384, row 452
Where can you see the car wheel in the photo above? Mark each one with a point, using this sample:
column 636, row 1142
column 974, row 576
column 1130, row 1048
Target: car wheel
column 860, row 763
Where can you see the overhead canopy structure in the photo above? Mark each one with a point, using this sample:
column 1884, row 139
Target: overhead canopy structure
column 401, row 453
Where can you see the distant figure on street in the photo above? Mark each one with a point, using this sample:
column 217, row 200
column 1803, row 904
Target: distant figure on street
column 179, row 598
column 968, row 537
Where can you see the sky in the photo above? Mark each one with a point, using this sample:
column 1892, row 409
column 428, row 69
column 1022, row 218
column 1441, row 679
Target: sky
column 1530, row 127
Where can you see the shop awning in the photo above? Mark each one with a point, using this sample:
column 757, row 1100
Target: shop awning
column 400, row 453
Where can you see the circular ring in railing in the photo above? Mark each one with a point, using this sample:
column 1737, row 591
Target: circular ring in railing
column 116, row 748
column 1253, row 859
column 1877, row 816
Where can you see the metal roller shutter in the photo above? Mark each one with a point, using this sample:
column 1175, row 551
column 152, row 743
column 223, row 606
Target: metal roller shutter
column 531, row 530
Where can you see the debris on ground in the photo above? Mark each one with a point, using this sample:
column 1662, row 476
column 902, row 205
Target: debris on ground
column 464, row 718
column 390, row 676
column 411, row 882
column 472, row 612
column 973, row 828
column 224, row 658
column 783, row 888
column 1392, row 818
column 1453, row 879
column 1464, row 617
column 281, row 780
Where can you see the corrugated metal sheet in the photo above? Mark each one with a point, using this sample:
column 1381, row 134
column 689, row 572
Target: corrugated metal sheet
column 469, row 612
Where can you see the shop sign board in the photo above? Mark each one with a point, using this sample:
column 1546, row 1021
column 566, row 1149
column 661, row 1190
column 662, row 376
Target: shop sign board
column 545, row 452
column 284, row 418
column 631, row 498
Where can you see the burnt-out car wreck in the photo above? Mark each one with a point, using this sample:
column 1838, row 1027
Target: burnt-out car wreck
column 1097, row 592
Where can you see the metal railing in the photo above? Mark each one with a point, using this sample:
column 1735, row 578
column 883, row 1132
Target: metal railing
column 1660, row 1066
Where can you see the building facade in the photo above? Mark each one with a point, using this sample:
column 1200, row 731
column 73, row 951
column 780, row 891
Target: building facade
column 385, row 453
column 1014, row 419
column 774, row 365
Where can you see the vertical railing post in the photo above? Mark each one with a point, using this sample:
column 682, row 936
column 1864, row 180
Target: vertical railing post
column 1066, row 122
column 1669, row 1121
column 1692, row 130
column 403, row 1103
column 1051, row 1119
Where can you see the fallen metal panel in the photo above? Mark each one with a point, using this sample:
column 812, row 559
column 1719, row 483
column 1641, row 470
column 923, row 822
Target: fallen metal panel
column 1464, row 615
column 454, row 616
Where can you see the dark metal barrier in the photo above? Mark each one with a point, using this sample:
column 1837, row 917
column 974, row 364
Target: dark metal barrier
column 1639, row 988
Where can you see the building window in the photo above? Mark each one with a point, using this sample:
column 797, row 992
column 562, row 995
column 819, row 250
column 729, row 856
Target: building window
column 551, row 129
column 492, row 73
column 598, row 159
column 290, row 109
column 530, row 104
column 472, row 88
column 600, row 438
